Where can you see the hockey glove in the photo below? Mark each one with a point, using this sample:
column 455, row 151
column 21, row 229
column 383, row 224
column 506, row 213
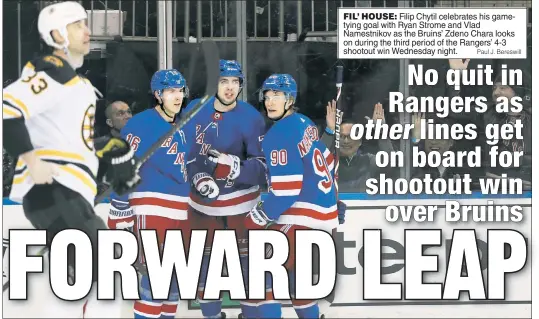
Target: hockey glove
column 227, row 166
column 205, row 186
column 122, row 172
column 121, row 215
column 341, row 207
column 257, row 218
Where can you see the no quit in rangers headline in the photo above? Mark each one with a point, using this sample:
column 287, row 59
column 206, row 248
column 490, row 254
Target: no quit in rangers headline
column 443, row 106
column 187, row 265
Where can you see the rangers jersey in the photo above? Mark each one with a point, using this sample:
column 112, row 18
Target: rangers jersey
column 237, row 132
column 58, row 107
column 164, row 190
column 302, row 190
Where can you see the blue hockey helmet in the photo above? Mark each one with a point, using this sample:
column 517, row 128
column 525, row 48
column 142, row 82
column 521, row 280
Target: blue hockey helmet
column 164, row 79
column 230, row 68
column 280, row 83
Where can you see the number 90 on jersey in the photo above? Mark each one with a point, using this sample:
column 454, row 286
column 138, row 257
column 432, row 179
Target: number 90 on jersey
column 279, row 157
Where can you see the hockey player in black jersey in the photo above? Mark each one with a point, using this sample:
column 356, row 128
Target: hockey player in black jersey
column 48, row 117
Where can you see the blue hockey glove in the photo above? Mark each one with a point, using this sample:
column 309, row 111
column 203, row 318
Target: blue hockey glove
column 257, row 218
column 341, row 207
column 205, row 186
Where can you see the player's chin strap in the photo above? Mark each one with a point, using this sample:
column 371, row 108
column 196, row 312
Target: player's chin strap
column 285, row 110
column 173, row 117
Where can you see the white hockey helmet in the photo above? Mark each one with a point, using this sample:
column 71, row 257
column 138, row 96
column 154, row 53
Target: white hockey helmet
column 56, row 17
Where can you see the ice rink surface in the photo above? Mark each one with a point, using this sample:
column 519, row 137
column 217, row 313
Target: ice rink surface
column 38, row 309
column 43, row 304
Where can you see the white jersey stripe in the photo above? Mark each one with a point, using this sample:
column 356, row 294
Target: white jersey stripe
column 152, row 210
column 287, row 178
column 286, row 192
column 182, row 199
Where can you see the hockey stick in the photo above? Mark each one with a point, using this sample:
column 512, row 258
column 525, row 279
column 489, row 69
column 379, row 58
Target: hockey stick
column 211, row 57
column 329, row 300
column 338, row 121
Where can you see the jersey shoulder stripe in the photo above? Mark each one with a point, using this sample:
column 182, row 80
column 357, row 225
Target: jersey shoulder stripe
column 55, row 67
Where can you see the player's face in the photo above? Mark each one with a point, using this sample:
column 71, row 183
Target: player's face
column 172, row 99
column 275, row 103
column 79, row 37
column 348, row 147
column 228, row 89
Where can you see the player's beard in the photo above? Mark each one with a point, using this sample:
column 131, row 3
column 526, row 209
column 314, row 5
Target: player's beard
column 226, row 103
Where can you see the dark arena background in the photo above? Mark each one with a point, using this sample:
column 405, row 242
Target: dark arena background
column 296, row 37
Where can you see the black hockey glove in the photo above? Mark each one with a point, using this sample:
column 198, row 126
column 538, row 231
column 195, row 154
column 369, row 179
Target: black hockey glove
column 122, row 172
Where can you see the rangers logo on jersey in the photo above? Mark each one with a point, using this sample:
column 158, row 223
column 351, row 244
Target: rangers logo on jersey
column 217, row 116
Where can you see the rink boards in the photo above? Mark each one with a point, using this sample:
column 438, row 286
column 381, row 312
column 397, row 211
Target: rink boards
column 368, row 212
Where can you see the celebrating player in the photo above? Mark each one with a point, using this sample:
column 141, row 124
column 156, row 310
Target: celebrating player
column 226, row 168
column 48, row 117
column 160, row 202
column 302, row 194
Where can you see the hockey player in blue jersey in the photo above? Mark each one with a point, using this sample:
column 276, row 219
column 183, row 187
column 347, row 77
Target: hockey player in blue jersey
column 227, row 154
column 160, row 201
column 302, row 193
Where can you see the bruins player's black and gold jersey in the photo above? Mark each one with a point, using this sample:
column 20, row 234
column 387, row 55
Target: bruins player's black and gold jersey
column 58, row 109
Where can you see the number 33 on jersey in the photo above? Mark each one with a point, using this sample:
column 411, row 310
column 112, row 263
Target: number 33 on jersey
column 58, row 108
column 302, row 191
